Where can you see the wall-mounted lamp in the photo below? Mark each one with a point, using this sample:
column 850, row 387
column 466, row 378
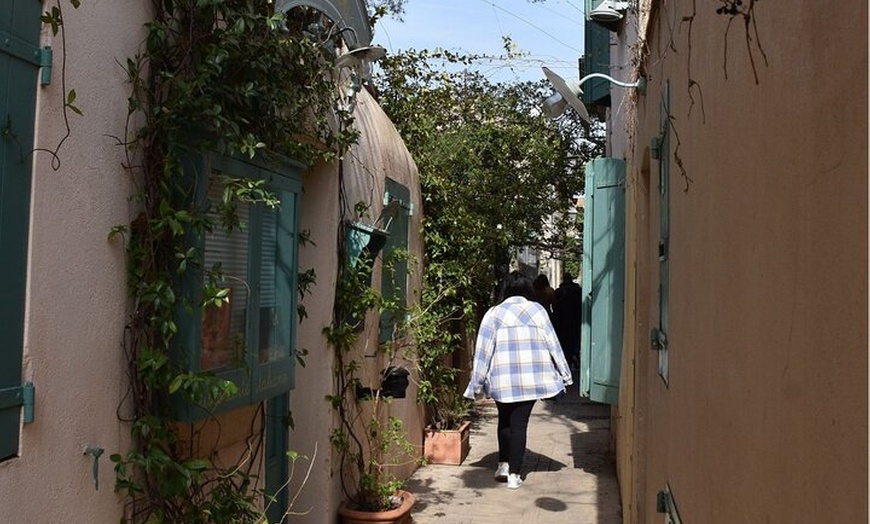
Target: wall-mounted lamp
column 360, row 55
column 357, row 60
column 568, row 93
column 608, row 11
column 394, row 383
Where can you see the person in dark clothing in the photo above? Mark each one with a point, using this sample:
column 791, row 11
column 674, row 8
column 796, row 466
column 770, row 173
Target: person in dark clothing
column 544, row 294
column 566, row 318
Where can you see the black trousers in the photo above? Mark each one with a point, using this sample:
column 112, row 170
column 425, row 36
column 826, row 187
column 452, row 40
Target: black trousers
column 513, row 425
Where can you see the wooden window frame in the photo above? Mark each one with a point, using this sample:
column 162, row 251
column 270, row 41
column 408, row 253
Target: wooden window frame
column 256, row 380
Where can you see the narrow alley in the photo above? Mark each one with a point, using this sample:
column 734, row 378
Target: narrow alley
column 569, row 472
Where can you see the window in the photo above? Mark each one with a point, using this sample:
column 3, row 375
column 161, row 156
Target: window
column 250, row 339
column 395, row 219
column 18, row 72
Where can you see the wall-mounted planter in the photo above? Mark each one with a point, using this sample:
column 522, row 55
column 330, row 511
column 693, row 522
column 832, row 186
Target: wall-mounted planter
column 447, row 446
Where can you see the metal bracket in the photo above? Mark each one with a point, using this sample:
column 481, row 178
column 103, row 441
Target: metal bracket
column 23, row 395
column 95, row 452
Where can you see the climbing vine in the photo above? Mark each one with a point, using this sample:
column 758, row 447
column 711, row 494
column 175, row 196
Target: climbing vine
column 225, row 77
column 53, row 18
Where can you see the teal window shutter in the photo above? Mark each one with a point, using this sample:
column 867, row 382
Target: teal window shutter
column 659, row 334
column 603, row 280
column 251, row 339
column 596, row 59
column 275, row 459
column 394, row 278
column 19, row 28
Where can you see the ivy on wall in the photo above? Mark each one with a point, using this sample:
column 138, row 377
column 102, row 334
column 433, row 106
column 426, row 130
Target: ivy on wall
column 225, row 77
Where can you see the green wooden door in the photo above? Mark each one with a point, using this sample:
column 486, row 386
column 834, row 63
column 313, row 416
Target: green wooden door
column 603, row 280
column 19, row 65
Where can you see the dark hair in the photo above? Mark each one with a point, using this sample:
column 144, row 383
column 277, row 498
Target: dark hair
column 541, row 282
column 516, row 284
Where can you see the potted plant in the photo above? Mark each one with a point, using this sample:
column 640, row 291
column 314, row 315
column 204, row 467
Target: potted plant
column 440, row 343
column 371, row 443
column 381, row 445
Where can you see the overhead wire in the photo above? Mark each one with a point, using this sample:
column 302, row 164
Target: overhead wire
column 575, row 7
column 542, row 30
column 502, row 32
column 520, row 63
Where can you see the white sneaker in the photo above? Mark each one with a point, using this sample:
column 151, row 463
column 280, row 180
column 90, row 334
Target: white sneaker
column 514, row 481
column 501, row 474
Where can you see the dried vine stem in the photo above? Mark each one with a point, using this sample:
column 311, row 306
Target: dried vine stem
column 747, row 13
column 692, row 83
column 677, row 158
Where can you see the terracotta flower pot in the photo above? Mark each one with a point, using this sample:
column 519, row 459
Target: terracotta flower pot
column 447, row 446
column 400, row 515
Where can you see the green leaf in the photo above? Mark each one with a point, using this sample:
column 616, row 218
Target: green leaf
column 197, row 464
column 117, row 230
column 176, row 383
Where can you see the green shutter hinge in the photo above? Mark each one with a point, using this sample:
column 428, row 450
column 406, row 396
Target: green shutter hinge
column 662, row 501
column 45, row 59
column 23, row 396
column 663, row 250
column 28, row 393
column 658, row 338
column 665, row 504
column 655, row 148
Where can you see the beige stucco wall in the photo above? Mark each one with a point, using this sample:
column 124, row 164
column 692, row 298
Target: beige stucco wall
column 76, row 295
column 765, row 415
column 379, row 153
column 76, row 291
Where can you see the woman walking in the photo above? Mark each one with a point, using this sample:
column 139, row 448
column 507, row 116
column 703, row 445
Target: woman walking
column 517, row 360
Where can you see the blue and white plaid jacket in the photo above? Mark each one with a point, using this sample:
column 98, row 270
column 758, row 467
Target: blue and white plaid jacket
column 517, row 356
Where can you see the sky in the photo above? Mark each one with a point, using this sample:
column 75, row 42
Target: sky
column 551, row 33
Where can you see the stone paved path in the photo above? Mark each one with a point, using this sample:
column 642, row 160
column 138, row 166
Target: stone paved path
column 569, row 472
